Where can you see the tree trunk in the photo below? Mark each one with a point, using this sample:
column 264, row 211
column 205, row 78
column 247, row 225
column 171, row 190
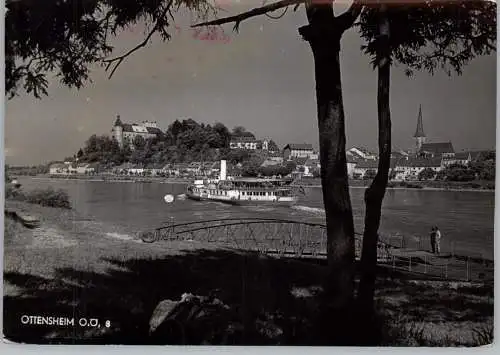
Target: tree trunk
column 374, row 195
column 324, row 38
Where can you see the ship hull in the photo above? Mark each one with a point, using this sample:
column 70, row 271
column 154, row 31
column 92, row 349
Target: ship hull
column 242, row 202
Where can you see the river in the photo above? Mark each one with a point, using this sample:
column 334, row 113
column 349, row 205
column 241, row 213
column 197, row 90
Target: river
column 465, row 218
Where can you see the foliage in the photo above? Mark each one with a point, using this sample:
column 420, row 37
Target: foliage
column 458, row 172
column 433, row 34
column 27, row 170
column 48, row 197
column 484, row 166
column 67, row 38
column 369, row 174
column 102, row 149
column 272, row 146
column 184, row 141
column 427, row 174
column 240, row 131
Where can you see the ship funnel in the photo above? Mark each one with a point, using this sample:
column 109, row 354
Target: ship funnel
column 222, row 170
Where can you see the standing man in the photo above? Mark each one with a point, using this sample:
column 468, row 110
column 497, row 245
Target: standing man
column 433, row 240
column 437, row 239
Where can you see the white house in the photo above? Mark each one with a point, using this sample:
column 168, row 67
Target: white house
column 361, row 153
column 291, row 151
column 361, row 167
column 409, row 169
column 248, row 143
column 58, row 169
column 462, row 158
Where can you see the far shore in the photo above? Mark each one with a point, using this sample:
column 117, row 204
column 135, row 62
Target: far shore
column 308, row 183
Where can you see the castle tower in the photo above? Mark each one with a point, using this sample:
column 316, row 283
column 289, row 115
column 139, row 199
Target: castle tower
column 419, row 133
column 118, row 131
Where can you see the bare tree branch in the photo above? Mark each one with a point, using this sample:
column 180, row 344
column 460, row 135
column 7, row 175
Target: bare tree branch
column 249, row 14
column 115, row 62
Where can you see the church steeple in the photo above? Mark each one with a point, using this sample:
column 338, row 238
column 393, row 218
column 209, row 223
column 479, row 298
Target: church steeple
column 420, row 126
column 419, row 132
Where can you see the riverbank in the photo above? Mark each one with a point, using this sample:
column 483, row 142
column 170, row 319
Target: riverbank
column 488, row 186
column 479, row 186
column 72, row 266
column 117, row 179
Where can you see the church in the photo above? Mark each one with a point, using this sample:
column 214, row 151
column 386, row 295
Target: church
column 430, row 150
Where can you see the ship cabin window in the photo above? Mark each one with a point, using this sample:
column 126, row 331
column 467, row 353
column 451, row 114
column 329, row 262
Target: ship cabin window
column 243, row 193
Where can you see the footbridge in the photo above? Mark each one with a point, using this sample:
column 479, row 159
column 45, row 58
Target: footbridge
column 303, row 239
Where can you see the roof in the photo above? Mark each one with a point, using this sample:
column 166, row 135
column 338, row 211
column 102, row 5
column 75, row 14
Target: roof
column 58, row 166
column 420, row 162
column 244, row 139
column 477, row 153
column 268, row 162
column 303, row 146
column 459, row 156
column 125, row 166
column 300, row 161
column 118, row 122
column 310, row 161
column 437, row 148
column 367, row 164
column 132, row 127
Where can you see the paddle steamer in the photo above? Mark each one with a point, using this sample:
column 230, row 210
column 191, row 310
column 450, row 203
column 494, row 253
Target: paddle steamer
column 244, row 191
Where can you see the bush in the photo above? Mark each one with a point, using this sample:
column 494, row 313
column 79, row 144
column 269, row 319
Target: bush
column 13, row 193
column 44, row 197
column 49, row 197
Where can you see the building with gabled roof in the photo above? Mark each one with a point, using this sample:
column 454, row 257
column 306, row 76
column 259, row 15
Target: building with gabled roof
column 409, row 169
column 126, row 132
column 294, row 150
column 441, row 149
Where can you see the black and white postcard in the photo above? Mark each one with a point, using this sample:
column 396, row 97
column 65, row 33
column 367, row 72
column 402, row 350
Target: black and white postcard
column 249, row 172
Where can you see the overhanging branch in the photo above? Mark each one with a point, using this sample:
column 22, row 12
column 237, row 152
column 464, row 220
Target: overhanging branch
column 115, row 62
column 249, row 14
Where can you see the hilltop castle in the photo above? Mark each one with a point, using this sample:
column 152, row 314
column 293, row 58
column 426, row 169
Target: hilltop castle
column 126, row 132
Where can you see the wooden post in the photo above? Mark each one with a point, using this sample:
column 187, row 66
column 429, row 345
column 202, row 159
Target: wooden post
column 467, row 269
column 409, row 264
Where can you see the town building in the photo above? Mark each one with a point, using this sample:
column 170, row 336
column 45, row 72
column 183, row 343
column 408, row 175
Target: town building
column 426, row 149
column 361, row 153
column 409, row 169
column 437, row 150
column 124, row 133
column 72, row 168
column 362, row 167
column 293, row 151
column 461, row 158
column 248, row 143
column 351, row 165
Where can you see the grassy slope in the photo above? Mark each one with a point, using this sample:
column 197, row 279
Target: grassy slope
column 74, row 267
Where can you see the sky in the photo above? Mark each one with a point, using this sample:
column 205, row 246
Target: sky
column 262, row 79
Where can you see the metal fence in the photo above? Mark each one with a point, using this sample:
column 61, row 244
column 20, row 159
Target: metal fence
column 298, row 239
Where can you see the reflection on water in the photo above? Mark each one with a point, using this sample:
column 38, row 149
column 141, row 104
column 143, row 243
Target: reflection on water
column 463, row 217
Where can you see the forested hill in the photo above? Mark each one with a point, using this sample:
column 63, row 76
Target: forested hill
column 183, row 141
